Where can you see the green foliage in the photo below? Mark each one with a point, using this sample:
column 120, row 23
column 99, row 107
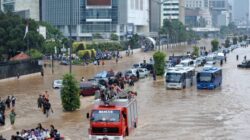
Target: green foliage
column 235, row 40
column 134, row 41
column 245, row 37
column 230, row 29
column 240, row 38
column 111, row 46
column 78, row 46
column 70, row 93
column 35, row 54
column 114, row 37
column 97, row 36
column 227, row 43
column 215, row 45
column 51, row 31
column 49, row 47
column 159, row 59
column 84, row 53
column 196, row 51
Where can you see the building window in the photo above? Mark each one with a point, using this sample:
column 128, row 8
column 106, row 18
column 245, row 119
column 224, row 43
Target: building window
column 132, row 4
column 137, row 4
column 141, row 4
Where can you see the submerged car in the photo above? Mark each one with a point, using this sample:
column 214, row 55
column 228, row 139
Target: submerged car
column 244, row 64
column 88, row 88
column 57, row 84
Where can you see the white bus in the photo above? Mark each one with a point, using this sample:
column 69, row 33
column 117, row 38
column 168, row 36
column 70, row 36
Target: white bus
column 180, row 78
column 187, row 63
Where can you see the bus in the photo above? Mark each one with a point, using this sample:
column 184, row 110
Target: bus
column 209, row 78
column 179, row 77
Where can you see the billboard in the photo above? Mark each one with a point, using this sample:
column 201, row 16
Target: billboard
column 99, row 2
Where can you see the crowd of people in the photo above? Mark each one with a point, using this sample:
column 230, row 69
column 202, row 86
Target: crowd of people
column 38, row 133
column 44, row 104
column 7, row 105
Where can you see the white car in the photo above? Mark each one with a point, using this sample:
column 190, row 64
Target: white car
column 143, row 72
column 57, row 84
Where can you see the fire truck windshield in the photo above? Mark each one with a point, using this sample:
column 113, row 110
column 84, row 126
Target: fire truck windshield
column 105, row 116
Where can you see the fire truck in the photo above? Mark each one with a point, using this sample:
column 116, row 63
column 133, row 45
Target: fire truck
column 113, row 119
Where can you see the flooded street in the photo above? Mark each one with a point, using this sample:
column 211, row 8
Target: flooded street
column 163, row 114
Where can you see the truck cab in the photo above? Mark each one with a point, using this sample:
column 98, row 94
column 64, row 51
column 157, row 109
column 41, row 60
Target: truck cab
column 112, row 121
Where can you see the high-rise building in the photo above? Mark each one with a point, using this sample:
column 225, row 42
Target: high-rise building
column 173, row 9
column 218, row 10
column 241, row 11
column 124, row 17
column 154, row 15
column 24, row 8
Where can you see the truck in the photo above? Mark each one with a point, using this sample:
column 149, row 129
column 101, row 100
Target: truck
column 113, row 120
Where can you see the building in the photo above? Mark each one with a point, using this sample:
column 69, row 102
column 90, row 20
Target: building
column 154, row 15
column 218, row 10
column 124, row 17
column 24, row 8
column 241, row 12
column 173, row 9
column 192, row 4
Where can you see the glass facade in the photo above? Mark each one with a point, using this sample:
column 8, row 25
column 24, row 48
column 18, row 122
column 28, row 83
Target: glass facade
column 106, row 18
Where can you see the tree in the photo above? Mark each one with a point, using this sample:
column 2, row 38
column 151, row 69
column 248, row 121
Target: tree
column 70, row 93
column 240, row 38
column 114, row 37
column 51, row 31
column 245, row 37
column 215, row 45
column 227, row 43
column 134, row 41
column 235, row 40
column 159, row 65
column 196, row 51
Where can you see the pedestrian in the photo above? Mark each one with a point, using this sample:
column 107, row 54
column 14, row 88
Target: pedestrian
column 12, row 117
column 103, row 63
column 39, row 101
column 13, row 101
column 82, row 80
column 225, row 59
column 7, row 102
column 48, row 108
column 116, row 60
column 237, row 57
column 137, row 74
column 98, row 62
column 245, row 57
column 46, row 95
column 18, row 75
column 2, row 118
column 154, row 75
column 221, row 62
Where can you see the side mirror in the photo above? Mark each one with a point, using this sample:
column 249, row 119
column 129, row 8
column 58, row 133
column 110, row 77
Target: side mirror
column 87, row 115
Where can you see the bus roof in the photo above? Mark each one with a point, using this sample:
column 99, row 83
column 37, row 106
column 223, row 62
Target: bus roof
column 210, row 69
column 180, row 69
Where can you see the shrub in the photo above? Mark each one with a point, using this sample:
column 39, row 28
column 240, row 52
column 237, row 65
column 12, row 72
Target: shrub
column 196, row 51
column 235, row 40
column 35, row 54
column 215, row 45
column 78, row 46
column 84, row 54
column 159, row 59
column 114, row 37
column 70, row 93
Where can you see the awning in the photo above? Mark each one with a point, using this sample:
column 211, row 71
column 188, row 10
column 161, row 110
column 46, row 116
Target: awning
column 151, row 40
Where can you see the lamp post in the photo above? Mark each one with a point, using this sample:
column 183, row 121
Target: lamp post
column 70, row 39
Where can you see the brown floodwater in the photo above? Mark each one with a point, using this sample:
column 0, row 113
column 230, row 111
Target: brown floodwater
column 163, row 114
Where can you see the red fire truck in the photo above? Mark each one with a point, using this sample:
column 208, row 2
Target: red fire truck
column 113, row 120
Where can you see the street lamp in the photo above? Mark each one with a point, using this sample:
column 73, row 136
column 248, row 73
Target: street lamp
column 70, row 38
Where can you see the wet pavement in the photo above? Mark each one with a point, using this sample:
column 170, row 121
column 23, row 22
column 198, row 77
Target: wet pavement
column 163, row 114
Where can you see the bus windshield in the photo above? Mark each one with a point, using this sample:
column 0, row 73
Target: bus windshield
column 204, row 77
column 174, row 77
column 105, row 116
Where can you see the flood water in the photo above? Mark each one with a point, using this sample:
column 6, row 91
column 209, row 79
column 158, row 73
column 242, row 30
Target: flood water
column 163, row 114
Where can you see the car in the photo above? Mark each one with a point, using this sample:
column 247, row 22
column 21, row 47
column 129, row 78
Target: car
column 143, row 72
column 104, row 75
column 211, row 63
column 244, row 64
column 131, row 74
column 149, row 67
column 57, row 84
column 88, row 88
column 64, row 62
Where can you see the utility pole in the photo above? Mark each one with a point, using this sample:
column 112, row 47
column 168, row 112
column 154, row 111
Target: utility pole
column 70, row 38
